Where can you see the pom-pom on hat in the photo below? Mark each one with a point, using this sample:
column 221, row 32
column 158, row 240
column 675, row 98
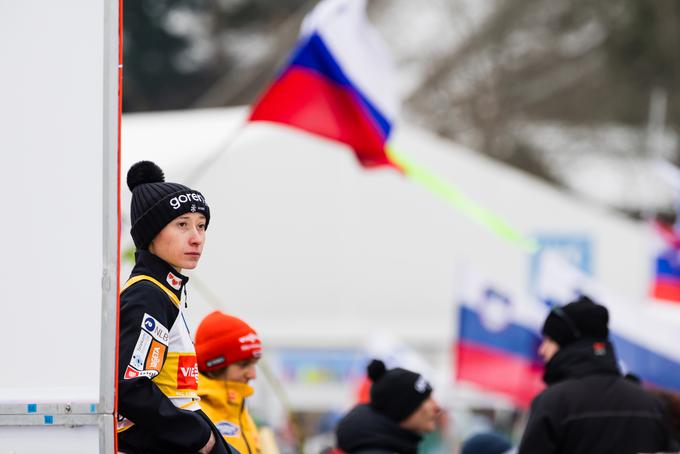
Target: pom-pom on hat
column 156, row 202
column 222, row 339
column 580, row 319
column 396, row 393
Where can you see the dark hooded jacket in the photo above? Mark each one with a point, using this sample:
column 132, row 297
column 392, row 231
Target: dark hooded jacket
column 589, row 407
column 363, row 430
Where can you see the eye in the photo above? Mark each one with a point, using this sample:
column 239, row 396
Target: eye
column 182, row 224
column 201, row 226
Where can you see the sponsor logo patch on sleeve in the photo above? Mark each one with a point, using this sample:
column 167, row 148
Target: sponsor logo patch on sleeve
column 187, row 372
column 141, row 350
column 154, row 358
column 130, row 372
column 155, row 328
column 148, row 373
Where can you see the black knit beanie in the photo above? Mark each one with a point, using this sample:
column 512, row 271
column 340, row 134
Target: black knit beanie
column 155, row 203
column 396, row 393
column 580, row 319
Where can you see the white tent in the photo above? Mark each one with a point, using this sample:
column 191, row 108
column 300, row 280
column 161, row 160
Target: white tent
column 317, row 252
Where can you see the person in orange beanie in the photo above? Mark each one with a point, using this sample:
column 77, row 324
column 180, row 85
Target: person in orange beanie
column 227, row 350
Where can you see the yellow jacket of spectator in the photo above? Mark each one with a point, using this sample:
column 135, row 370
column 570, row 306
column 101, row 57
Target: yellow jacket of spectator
column 225, row 404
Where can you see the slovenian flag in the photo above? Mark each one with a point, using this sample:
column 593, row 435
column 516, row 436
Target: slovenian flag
column 666, row 283
column 338, row 83
column 498, row 339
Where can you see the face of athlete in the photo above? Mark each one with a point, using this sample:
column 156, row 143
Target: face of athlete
column 180, row 243
column 241, row 371
column 424, row 418
column 547, row 349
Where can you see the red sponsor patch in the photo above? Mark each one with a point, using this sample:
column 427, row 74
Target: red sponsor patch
column 174, row 281
column 131, row 373
column 187, row 372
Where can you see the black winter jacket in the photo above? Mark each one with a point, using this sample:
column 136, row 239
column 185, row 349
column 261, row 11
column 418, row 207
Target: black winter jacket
column 589, row 408
column 363, row 430
column 151, row 326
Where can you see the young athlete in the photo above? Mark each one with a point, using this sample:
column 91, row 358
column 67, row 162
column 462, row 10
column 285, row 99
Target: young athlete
column 158, row 409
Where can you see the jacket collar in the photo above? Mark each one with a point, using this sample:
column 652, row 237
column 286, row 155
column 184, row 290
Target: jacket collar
column 223, row 393
column 581, row 359
column 152, row 265
column 365, row 429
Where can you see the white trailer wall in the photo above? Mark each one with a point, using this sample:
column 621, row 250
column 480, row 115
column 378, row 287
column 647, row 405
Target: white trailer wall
column 58, row 168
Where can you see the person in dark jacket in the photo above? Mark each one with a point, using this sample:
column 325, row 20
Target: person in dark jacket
column 671, row 400
column 486, row 443
column 588, row 406
column 400, row 410
column 158, row 409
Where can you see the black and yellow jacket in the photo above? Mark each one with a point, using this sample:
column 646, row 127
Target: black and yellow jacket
column 158, row 410
column 225, row 404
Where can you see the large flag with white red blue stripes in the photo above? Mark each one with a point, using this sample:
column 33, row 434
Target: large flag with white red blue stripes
column 339, row 82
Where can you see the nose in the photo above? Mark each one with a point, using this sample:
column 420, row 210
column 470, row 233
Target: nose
column 197, row 236
column 251, row 372
column 437, row 408
column 541, row 348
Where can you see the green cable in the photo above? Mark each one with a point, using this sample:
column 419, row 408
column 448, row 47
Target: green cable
column 456, row 199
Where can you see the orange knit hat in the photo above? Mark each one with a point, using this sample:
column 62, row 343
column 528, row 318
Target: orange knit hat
column 222, row 340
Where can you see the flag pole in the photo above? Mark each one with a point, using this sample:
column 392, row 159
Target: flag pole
column 220, row 150
column 437, row 185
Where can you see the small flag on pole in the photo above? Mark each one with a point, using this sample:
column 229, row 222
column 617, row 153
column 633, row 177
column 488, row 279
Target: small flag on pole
column 666, row 280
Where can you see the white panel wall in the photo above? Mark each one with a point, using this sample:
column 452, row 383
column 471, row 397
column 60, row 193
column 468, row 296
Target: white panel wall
column 51, row 161
column 53, row 440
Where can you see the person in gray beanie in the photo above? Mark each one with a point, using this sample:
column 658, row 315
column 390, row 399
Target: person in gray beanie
column 400, row 411
column 588, row 406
